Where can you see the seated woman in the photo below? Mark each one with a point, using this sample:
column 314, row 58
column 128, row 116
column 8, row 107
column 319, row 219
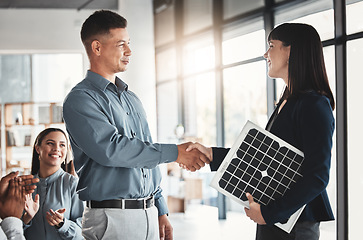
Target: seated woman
column 56, row 211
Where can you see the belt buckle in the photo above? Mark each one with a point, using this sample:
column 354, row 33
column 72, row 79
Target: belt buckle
column 145, row 205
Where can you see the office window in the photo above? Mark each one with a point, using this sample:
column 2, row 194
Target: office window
column 166, row 65
column 54, row 75
column 243, row 42
column 354, row 16
column 244, row 98
column 15, row 79
column 355, row 164
column 200, row 108
column 167, row 111
column 164, row 26
column 197, row 15
column 232, row 8
column 319, row 14
column 198, row 55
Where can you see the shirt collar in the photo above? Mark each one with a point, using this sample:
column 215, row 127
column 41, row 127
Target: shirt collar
column 102, row 82
column 121, row 85
column 52, row 177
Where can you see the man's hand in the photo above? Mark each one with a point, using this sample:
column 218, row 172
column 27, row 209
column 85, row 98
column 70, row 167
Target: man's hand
column 254, row 213
column 4, row 184
column 192, row 160
column 165, row 228
column 26, row 181
column 13, row 203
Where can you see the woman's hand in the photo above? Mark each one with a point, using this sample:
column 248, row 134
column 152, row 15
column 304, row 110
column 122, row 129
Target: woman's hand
column 254, row 213
column 31, row 207
column 54, row 218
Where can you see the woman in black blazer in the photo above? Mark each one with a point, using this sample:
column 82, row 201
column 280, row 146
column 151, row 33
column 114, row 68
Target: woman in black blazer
column 303, row 117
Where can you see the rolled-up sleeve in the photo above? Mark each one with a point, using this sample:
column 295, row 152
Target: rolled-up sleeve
column 104, row 143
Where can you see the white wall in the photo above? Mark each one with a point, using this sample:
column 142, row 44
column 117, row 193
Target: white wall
column 51, row 31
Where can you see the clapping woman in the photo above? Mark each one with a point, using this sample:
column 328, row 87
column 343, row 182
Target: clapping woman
column 54, row 211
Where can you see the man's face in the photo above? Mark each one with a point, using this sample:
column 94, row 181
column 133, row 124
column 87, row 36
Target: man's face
column 115, row 51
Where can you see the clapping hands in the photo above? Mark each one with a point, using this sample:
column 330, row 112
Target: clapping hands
column 12, row 193
column 193, row 156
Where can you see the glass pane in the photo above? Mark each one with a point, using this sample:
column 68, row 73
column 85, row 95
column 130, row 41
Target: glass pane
column 167, row 111
column 54, row 75
column 319, row 14
column 166, row 65
column 15, row 78
column 199, row 55
column 164, row 26
column 197, row 15
column 328, row 229
column 354, row 17
column 355, row 164
column 233, row 8
column 240, row 44
column 200, row 108
column 244, row 98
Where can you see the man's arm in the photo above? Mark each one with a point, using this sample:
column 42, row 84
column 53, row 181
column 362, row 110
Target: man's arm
column 105, row 144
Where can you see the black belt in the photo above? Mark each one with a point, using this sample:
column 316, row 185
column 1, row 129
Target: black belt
column 143, row 203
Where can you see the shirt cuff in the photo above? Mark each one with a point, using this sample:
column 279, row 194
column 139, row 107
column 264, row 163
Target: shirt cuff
column 12, row 227
column 161, row 205
column 65, row 226
column 169, row 153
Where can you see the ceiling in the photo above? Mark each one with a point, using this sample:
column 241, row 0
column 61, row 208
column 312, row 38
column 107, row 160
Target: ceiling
column 60, row 4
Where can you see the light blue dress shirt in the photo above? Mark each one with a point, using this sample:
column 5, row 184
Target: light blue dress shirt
column 113, row 151
column 55, row 192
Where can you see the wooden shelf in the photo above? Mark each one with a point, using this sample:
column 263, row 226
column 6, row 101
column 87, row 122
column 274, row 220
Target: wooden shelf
column 23, row 121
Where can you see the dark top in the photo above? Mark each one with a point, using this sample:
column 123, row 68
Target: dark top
column 307, row 123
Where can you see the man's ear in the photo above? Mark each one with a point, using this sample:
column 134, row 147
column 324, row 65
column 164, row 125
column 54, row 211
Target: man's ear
column 96, row 47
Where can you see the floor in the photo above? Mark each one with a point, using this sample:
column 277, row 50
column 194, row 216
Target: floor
column 200, row 222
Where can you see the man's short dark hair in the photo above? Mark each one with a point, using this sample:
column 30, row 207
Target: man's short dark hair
column 100, row 23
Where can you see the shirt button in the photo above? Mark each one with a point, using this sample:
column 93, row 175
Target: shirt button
column 127, row 113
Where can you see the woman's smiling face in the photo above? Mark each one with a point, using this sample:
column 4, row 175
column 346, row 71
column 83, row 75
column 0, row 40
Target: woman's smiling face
column 53, row 149
column 277, row 57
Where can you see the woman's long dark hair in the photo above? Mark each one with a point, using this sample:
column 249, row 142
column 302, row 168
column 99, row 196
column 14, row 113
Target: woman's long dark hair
column 38, row 142
column 306, row 63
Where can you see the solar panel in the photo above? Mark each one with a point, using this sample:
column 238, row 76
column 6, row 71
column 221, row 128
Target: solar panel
column 261, row 164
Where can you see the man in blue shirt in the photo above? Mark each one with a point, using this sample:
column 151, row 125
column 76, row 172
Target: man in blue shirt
column 115, row 158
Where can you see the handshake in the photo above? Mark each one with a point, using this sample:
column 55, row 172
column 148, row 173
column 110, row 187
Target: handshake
column 193, row 156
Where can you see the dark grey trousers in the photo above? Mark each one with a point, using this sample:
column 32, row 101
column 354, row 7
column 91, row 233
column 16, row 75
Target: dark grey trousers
column 301, row 231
